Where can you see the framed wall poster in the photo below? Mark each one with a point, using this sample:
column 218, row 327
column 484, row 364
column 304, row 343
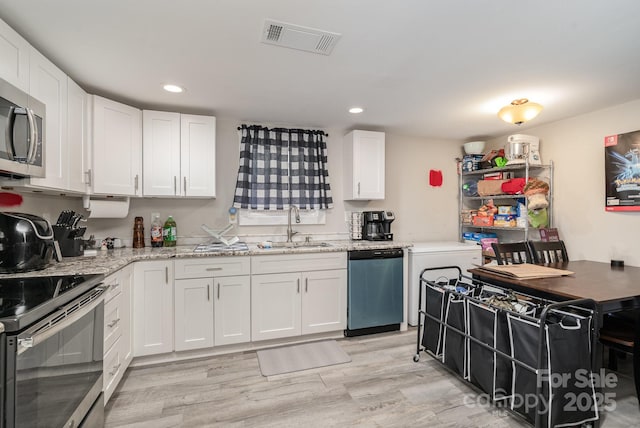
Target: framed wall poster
column 622, row 171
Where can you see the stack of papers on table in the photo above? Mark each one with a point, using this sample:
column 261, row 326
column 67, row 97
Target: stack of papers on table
column 526, row 271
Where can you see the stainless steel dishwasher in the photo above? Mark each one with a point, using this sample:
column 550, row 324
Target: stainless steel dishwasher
column 374, row 298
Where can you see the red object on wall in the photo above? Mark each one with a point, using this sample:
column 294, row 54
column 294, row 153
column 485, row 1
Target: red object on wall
column 435, row 178
column 10, row 199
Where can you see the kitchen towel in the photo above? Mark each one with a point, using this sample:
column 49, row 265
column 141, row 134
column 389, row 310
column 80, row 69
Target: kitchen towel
column 306, row 356
column 106, row 208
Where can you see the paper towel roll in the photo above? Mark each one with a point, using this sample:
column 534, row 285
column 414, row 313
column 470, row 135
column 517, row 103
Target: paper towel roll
column 108, row 208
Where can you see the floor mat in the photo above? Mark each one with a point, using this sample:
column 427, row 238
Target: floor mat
column 306, row 356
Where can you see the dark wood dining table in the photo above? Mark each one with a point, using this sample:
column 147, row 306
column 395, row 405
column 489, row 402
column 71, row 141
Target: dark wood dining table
column 614, row 289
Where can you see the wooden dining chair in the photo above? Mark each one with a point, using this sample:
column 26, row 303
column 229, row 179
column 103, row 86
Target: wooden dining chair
column 618, row 334
column 512, row 252
column 548, row 252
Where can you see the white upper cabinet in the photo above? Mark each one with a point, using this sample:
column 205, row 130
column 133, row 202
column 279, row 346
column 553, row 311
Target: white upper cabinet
column 179, row 154
column 14, row 58
column 364, row 165
column 198, row 155
column 48, row 84
column 161, row 153
column 116, row 148
column 77, row 134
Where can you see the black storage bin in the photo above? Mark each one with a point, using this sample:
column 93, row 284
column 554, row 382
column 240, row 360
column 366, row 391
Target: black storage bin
column 454, row 353
column 432, row 334
column 487, row 369
column 568, row 399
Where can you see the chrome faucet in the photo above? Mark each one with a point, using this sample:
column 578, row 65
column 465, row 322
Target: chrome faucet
column 290, row 231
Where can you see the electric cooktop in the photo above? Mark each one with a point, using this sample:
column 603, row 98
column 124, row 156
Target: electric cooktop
column 23, row 301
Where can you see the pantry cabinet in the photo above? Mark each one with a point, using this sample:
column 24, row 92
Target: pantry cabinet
column 117, row 329
column 116, row 148
column 14, row 58
column 298, row 294
column 213, row 298
column 179, row 154
column 364, row 165
column 153, row 312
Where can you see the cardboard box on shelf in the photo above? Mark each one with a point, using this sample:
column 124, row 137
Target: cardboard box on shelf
column 483, row 220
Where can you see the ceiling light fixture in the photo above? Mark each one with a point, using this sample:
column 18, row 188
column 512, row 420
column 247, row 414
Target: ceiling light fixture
column 519, row 111
column 172, row 88
column 356, row 110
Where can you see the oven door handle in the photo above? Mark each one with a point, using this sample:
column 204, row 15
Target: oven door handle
column 60, row 319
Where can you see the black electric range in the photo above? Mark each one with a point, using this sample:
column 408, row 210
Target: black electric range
column 25, row 300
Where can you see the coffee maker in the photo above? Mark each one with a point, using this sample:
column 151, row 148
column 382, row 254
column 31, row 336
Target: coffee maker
column 376, row 225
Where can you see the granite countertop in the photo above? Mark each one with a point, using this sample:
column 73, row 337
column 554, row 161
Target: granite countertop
column 109, row 261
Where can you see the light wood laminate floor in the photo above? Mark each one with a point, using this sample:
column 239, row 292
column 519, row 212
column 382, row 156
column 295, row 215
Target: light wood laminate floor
column 381, row 387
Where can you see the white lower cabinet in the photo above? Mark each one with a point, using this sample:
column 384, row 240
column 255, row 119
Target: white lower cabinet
column 153, row 307
column 309, row 296
column 275, row 306
column 212, row 302
column 232, row 310
column 117, row 329
column 324, row 301
column 193, row 316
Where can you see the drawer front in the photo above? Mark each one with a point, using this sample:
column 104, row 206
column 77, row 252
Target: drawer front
column 206, row 267
column 278, row 263
column 112, row 368
column 114, row 286
column 112, row 321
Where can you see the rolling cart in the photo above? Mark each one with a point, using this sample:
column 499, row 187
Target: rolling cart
column 532, row 356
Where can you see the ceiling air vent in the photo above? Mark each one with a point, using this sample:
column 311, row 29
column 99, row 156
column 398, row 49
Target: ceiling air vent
column 300, row 38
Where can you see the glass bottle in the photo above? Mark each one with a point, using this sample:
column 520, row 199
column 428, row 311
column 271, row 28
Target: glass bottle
column 138, row 233
column 156, row 231
column 169, row 232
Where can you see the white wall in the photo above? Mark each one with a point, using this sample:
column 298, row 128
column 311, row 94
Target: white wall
column 422, row 212
column 576, row 146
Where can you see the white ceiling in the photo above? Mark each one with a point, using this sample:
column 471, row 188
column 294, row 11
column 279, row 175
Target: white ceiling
column 433, row 68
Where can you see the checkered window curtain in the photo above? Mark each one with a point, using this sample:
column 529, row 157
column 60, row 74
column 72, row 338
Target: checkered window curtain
column 281, row 167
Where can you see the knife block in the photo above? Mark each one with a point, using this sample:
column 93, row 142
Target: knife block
column 70, row 244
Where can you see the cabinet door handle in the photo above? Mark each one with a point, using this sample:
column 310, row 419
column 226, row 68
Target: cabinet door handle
column 298, row 285
column 306, row 285
column 114, row 369
column 185, row 185
column 218, row 291
column 175, row 185
column 208, row 293
column 213, row 269
column 88, row 175
column 166, row 274
column 114, row 322
column 136, row 184
column 358, row 188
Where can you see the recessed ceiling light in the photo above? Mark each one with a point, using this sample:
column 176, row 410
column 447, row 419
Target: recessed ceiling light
column 356, row 110
column 173, row 88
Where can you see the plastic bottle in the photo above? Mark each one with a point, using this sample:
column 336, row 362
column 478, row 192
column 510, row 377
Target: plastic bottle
column 156, row 231
column 169, row 232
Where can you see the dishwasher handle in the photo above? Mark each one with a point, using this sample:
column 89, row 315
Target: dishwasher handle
column 387, row 253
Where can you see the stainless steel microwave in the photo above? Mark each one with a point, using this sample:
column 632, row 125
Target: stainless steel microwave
column 22, row 125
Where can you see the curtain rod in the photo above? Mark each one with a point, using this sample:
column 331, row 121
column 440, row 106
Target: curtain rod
column 290, row 130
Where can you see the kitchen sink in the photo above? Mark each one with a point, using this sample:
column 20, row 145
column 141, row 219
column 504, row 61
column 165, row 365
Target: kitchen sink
column 300, row 245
